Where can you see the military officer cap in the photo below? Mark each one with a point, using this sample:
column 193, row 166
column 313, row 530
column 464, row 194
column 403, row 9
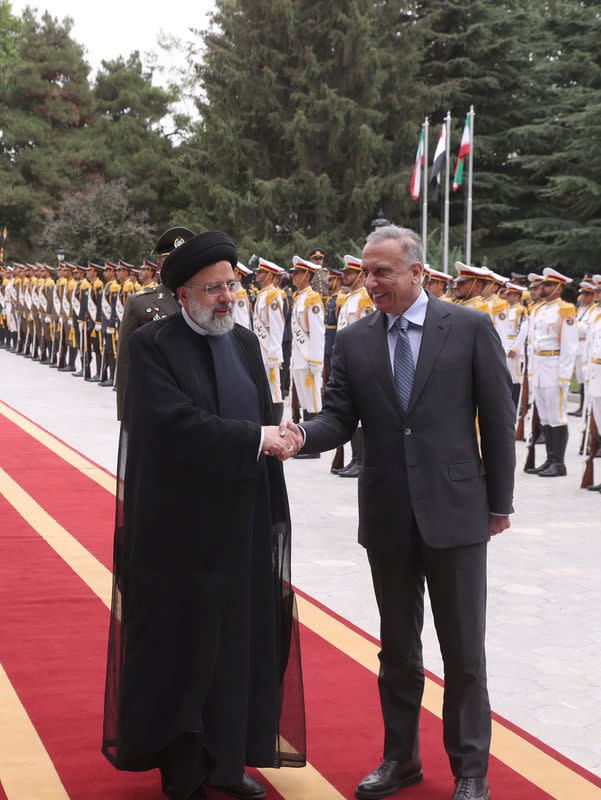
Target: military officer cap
column 518, row 276
column 535, row 278
column 352, row 262
column 148, row 264
column 464, row 271
column 500, row 279
column 269, row 266
column 170, row 239
column 586, row 286
column 78, row 267
column 200, row 251
column 334, row 271
column 514, row 287
column 553, row 275
column 317, row 253
column 243, row 268
column 95, row 265
column 307, row 266
column 110, row 265
column 124, row 265
column 437, row 275
column 597, row 281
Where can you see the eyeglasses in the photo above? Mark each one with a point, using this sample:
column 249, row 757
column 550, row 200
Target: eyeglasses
column 214, row 289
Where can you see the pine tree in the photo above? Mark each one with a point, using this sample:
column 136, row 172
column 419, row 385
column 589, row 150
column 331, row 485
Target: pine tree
column 558, row 150
column 479, row 53
column 303, row 123
column 46, row 106
column 129, row 138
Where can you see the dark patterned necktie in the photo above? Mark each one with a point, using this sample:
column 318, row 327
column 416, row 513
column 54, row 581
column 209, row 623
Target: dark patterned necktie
column 404, row 368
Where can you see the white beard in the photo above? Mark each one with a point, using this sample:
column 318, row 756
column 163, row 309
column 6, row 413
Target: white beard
column 205, row 317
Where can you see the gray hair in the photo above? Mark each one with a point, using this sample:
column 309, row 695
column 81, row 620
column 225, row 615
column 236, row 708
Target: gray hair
column 410, row 241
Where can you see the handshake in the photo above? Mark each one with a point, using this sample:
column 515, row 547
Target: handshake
column 284, row 441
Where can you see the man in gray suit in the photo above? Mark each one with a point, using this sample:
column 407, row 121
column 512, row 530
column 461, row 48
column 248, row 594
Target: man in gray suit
column 428, row 382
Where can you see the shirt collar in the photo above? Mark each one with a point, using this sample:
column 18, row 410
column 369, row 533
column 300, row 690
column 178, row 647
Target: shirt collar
column 415, row 314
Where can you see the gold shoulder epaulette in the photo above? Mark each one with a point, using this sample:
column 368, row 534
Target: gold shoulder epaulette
column 567, row 309
column 365, row 300
column 114, row 286
column 340, row 299
column 85, row 284
column 98, row 284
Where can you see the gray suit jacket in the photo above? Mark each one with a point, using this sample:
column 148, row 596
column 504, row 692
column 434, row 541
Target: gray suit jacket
column 426, row 462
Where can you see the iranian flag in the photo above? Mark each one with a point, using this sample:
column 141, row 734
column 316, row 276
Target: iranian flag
column 440, row 157
column 416, row 178
column 464, row 150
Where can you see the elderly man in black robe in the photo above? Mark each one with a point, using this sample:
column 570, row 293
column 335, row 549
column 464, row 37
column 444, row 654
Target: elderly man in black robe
column 203, row 674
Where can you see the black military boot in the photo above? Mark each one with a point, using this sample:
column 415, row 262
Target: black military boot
column 545, row 430
column 559, row 442
column 578, row 412
column 307, row 415
column 354, row 467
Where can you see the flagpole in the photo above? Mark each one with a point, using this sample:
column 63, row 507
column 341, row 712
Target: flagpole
column 445, row 240
column 425, row 127
column 470, row 175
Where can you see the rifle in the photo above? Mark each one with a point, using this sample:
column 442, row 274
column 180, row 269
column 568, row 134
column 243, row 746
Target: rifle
column 19, row 331
column 522, row 409
column 60, row 347
column 34, row 340
column 591, row 438
column 85, row 357
column 27, row 335
column 53, row 337
column 102, row 373
column 534, row 434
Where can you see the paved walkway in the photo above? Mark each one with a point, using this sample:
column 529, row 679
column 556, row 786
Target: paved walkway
column 544, row 635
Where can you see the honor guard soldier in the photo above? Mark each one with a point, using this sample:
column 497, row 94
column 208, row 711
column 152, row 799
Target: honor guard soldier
column 338, row 293
column 554, row 345
column 94, row 319
column 10, row 297
column 242, row 308
column 110, row 292
column 319, row 282
column 470, row 283
column 153, row 302
column 79, row 304
column 64, row 313
column 438, row 283
column 45, row 295
column 268, row 324
column 27, row 304
column 68, row 350
column 148, row 274
column 3, row 318
column 356, row 304
column 517, row 331
column 74, row 297
column 37, row 284
column 55, row 316
column 308, row 340
column 592, row 370
column 584, row 313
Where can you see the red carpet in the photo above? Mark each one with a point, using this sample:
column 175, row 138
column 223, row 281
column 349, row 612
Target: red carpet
column 53, row 647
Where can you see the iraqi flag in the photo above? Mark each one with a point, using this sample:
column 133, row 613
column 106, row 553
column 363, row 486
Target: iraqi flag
column 416, row 178
column 438, row 163
column 464, row 150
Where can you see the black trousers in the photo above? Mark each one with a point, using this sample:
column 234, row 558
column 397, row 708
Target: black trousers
column 456, row 579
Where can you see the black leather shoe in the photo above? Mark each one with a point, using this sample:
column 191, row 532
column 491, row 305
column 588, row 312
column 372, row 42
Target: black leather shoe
column 66, row 368
column 471, row 789
column 388, row 778
column 307, row 455
column 555, row 470
column 107, row 382
column 247, row 789
column 351, row 472
column 595, row 488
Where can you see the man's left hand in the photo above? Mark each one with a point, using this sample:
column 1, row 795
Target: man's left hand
column 499, row 524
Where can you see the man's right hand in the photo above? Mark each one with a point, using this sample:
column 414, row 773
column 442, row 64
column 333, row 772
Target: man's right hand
column 281, row 442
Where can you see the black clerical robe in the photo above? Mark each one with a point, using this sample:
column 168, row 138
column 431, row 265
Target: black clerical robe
column 204, row 635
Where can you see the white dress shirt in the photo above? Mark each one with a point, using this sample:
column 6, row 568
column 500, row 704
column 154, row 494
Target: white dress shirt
column 415, row 316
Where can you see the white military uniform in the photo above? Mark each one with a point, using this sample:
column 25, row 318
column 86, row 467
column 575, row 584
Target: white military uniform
column 356, row 305
column 243, row 312
column 517, row 330
column 308, row 342
column 584, row 316
column 553, row 345
column 268, row 323
column 592, row 358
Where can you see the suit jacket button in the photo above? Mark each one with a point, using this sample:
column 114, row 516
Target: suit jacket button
column 407, row 431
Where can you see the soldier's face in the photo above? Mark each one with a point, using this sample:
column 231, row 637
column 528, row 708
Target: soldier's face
column 598, row 295
column 121, row 274
column 391, row 282
column 352, row 277
column 586, row 298
column 300, row 278
column 435, row 286
column 549, row 289
column 332, row 282
column 513, row 298
column 91, row 275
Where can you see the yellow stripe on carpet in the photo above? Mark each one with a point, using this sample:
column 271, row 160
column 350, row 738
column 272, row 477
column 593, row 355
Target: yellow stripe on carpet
column 26, row 770
column 525, row 758
column 302, row 784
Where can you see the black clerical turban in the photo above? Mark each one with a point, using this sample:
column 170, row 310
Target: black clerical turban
column 200, row 251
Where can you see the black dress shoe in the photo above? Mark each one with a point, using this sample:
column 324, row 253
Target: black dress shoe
column 307, row 455
column 107, row 382
column 247, row 789
column 595, row 488
column 388, row 778
column 471, row 789
column 351, row 472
